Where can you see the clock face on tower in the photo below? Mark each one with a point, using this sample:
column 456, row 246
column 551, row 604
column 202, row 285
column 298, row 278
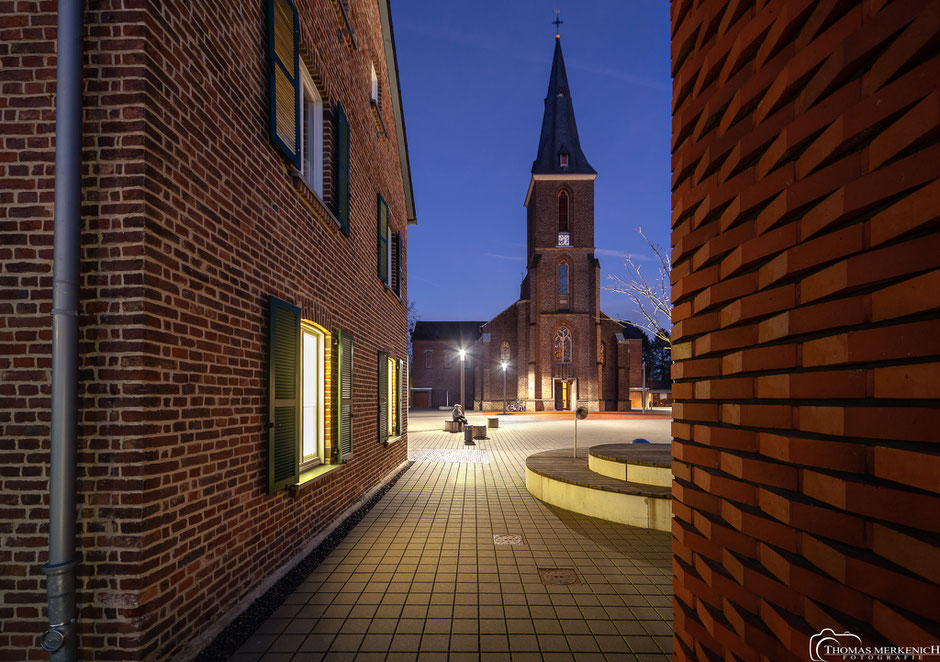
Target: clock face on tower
column 564, row 239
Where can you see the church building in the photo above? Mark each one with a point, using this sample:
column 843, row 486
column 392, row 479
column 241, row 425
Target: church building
column 559, row 349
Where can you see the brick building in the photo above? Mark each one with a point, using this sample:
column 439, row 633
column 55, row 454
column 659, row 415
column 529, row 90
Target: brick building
column 245, row 199
column 807, row 326
column 560, row 349
column 435, row 369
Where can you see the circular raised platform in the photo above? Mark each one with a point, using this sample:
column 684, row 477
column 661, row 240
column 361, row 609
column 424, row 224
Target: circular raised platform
column 633, row 463
column 567, row 482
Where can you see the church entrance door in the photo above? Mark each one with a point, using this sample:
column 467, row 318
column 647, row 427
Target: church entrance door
column 563, row 388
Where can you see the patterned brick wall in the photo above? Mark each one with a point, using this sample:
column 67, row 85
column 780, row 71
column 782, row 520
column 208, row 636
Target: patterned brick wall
column 807, row 338
column 191, row 220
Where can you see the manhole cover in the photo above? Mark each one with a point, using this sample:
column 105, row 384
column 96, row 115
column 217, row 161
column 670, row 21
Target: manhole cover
column 507, row 539
column 558, row 576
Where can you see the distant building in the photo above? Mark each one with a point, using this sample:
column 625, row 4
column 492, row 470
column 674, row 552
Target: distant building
column 435, row 369
column 241, row 364
column 560, row 349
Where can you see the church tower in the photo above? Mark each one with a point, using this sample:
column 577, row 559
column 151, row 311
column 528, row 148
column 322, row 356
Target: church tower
column 554, row 349
column 561, row 283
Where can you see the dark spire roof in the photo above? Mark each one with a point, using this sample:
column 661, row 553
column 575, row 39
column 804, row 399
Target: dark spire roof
column 559, row 131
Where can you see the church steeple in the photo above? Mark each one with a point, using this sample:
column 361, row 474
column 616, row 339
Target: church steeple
column 559, row 146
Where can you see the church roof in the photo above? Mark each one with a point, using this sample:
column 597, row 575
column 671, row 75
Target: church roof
column 467, row 332
column 559, row 131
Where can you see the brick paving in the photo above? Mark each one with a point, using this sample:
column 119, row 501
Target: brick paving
column 421, row 578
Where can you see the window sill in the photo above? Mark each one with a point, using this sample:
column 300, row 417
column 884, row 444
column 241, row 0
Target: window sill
column 391, row 295
column 393, row 440
column 313, row 203
column 309, row 477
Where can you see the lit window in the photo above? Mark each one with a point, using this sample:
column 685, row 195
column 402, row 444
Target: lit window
column 562, row 349
column 504, row 351
column 312, row 396
column 603, row 353
column 300, row 397
column 390, row 388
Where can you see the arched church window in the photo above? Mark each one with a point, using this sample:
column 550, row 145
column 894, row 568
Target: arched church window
column 563, row 345
column 504, row 351
column 563, row 212
column 563, row 277
column 603, row 353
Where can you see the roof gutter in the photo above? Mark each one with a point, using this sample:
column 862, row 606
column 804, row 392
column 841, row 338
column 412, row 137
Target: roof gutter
column 61, row 637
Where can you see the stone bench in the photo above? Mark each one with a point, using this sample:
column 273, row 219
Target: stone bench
column 492, row 422
column 451, row 425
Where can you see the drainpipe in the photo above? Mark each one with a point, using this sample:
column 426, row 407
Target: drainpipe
column 61, row 637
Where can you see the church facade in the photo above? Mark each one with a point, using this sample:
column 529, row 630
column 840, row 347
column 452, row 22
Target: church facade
column 557, row 348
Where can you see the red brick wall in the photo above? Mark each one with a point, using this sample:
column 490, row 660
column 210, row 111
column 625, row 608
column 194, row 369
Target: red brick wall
column 805, row 256
column 445, row 382
column 112, row 318
column 191, row 221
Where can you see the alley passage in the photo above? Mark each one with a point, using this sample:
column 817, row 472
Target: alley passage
column 421, row 577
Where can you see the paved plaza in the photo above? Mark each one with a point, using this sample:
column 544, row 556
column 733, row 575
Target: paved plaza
column 422, row 578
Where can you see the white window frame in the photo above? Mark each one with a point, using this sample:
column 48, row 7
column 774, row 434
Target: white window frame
column 310, row 332
column 374, row 93
column 311, row 139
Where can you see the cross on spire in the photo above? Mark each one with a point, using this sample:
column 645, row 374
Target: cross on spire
column 557, row 22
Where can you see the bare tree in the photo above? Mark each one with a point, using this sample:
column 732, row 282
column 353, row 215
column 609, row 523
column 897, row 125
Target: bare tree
column 412, row 320
column 649, row 292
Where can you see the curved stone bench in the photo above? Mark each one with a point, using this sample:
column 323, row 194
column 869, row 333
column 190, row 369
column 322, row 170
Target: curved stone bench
column 559, row 479
column 633, row 463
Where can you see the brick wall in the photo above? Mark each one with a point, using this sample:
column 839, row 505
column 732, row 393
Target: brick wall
column 112, row 318
column 444, row 381
column 191, row 220
column 805, row 262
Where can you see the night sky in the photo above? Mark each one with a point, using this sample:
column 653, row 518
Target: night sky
column 474, row 77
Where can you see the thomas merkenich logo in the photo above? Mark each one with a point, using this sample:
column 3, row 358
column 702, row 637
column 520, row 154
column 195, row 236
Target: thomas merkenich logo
column 829, row 645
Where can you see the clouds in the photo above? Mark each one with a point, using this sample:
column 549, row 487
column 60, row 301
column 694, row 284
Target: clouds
column 512, row 258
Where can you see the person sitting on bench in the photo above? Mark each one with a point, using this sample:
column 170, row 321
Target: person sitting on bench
column 458, row 414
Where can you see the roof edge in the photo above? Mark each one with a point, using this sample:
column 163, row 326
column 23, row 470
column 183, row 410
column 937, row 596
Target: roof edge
column 391, row 63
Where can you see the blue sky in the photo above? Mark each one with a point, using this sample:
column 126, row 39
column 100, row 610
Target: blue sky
column 473, row 78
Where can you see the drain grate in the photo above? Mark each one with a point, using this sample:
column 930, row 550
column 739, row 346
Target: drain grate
column 558, row 576
column 507, row 539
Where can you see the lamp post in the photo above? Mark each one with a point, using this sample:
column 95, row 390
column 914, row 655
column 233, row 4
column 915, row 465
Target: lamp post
column 463, row 355
column 504, row 386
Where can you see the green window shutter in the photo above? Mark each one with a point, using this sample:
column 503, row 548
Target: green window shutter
column 283, row 394
column 397, row 273
column 284, row 78
column 383, row 396
column 342, row 169
column 344, row 363
column 382, row 239
column 398, row 396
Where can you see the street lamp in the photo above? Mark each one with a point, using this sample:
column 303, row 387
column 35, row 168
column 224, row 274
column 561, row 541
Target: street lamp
column 463, row 355
column 504, row 386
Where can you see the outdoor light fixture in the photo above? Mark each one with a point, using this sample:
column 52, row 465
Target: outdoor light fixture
column 463, row 355
column 504, row 364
